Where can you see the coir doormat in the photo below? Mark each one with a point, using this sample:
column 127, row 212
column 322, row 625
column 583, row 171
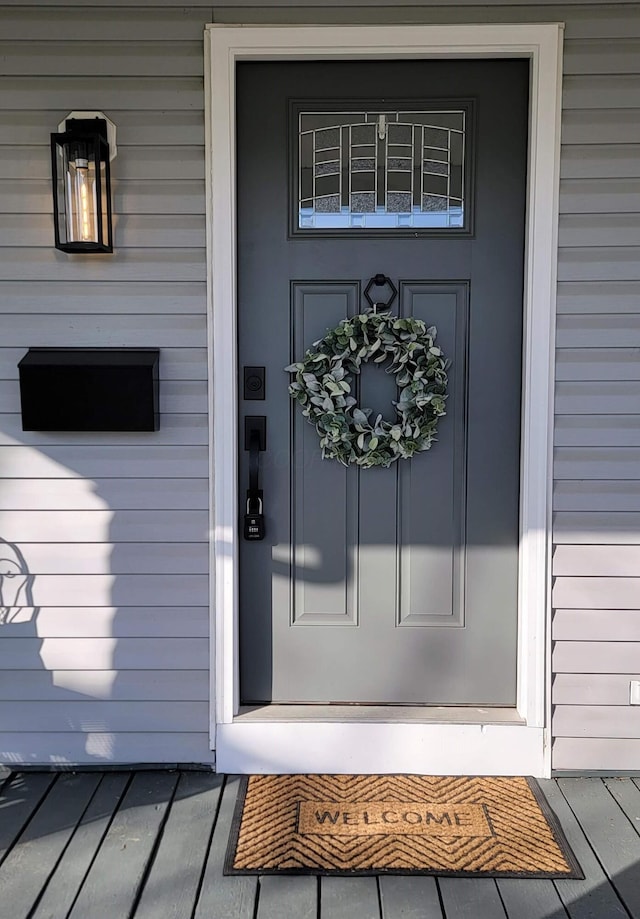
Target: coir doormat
column 397, row 824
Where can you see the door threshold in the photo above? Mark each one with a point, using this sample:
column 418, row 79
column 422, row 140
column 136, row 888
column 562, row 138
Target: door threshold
column 364, row 740
column 377, row 714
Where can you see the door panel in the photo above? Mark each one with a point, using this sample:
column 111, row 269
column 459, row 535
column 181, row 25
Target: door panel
column 384, row 585
column 332, row 598
column 431, row 501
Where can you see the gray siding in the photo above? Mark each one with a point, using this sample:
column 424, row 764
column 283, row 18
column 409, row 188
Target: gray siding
column 596, row 565
column 115, row 526
column 114, row 665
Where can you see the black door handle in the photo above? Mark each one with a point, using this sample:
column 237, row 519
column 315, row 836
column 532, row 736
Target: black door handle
column 255, row 442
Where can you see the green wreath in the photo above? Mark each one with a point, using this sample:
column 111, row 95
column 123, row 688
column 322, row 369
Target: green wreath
column 323, row 382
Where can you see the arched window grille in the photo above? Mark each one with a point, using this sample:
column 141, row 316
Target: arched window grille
column 381, row 169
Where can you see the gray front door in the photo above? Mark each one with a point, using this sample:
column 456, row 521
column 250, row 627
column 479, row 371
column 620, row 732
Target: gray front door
column 390, row 585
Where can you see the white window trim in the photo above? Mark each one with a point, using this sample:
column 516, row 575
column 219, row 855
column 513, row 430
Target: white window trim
column 361, row 745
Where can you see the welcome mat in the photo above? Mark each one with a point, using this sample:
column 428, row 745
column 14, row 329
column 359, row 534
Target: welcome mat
column 396, row 824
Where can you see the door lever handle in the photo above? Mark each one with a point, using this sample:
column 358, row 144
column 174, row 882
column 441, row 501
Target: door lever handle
column 255, row 442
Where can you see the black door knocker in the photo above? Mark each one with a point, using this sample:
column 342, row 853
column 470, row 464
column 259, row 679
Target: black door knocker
column 384, row 294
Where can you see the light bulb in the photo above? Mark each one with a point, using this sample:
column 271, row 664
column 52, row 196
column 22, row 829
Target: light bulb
column 81, row 195
column 82, row 178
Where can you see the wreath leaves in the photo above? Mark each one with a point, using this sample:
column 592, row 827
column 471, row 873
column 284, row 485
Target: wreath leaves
column 323, row 381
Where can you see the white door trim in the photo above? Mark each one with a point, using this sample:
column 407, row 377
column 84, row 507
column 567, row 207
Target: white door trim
column 359, row 745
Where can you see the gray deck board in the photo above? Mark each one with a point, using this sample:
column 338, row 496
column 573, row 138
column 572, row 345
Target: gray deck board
column 627, row 794
column 593, row 897
column 27, row 867
column 288, row 898
column 411, row 897
column 531, row 899
column 468, row 898
column 126, row 849
column 151, row 845
column 20, row 797
column 173, row 883
column 345, row 898
column 225, row 897
column 61, row 891
column 614, row 841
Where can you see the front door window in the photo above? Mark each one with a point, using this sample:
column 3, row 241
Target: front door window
column 380, row 170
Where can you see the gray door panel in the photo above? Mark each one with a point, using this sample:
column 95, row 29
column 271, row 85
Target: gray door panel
column 384, row 585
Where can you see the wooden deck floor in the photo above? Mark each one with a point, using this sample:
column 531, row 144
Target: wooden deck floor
column 150, row 845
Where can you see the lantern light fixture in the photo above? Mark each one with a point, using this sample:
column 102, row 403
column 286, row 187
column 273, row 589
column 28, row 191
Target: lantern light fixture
column 81, row 152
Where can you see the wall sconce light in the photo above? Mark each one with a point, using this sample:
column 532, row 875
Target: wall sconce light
column 80, row 157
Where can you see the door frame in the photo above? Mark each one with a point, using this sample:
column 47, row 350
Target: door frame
column 400, row 740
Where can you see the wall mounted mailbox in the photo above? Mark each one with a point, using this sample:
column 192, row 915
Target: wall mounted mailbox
column 89, row 389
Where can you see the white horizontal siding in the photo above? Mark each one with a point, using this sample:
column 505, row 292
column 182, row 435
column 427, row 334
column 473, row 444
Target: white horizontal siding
column 99, row 461
column 57, row 23
column 132, row 508
column 184, row 93
column 87, row 558
column 594, row 331
column 597, row 592
column 593, row 688
column 114, row 526
column 604, row 721
column 115, row 717
column 597, row 496
column 589, row 57
column 117, row 685
column 596, row 463
column 94, row 745
column 595, row 754
column 613, row 91
column 130, row 493
column 580, row 230
column 606, row 298
column 107, row 526
column 115, row 653
column 597, row 625
column 118, row 621
column 590, row 20
column 582, row 430
column 134, row 163
column 600, row 398
column 163, row 331
column 135, row 128
column 596, row 562
column 127, row 265
column 590, row 161
column 596, row 528
column 186, row 430
column 104, row 298
column 67, row 58
column 605, row 196
column 155, row 589
column 596, row 656
column 140, row 231
column 601, row 364
column 615, row 126
column 181, row 196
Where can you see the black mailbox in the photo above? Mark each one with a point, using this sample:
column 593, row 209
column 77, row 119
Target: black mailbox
column 89, row 389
